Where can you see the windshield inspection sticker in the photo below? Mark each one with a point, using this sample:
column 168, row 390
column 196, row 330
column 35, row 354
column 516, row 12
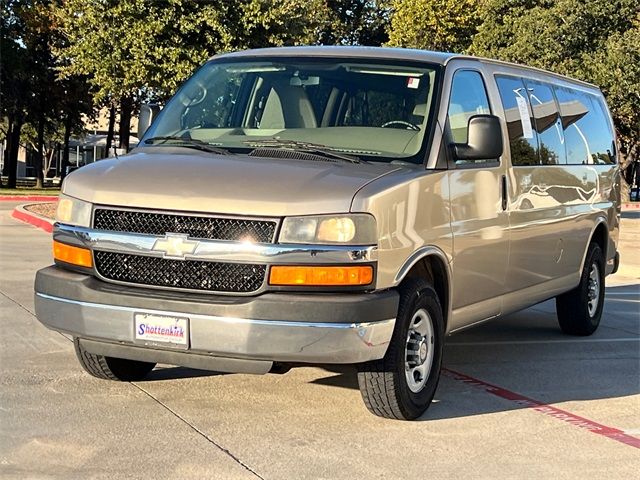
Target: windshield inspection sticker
column 527, row 131
column 413, row 82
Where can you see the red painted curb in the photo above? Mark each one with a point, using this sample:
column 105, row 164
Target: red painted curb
column 28, row 198
column 32, row 219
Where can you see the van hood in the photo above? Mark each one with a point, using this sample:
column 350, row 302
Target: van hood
column 188, row 180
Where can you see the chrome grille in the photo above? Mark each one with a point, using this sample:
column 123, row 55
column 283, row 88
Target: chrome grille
column 183, row 274
column 214, row 228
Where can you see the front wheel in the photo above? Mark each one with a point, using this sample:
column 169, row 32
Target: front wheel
column 402, row 384
column 110, row 368
column 579, row 310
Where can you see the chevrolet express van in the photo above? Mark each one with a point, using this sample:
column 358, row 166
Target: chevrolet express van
column 337, row 205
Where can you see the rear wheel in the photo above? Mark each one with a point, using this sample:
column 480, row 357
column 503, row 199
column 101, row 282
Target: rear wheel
column 402, row 384
column 110, row 368
column 579, row 311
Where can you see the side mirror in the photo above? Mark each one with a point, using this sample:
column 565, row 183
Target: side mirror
column 484, row 139
column 148, row 113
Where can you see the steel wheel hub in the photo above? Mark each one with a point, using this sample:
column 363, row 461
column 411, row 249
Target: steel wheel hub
column 419, row 350
column 593, row 290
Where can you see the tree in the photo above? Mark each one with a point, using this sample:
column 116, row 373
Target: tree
column 36, row 36
column 352, row 22
column 36, row 105
column 14, row 84
column 135, row 50
column 593, row 40
column 444, row 25
column 616, row 68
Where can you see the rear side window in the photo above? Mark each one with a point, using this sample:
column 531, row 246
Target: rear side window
column 587, row 131
column 547, row 123
column 523, row 139
column 468, row 98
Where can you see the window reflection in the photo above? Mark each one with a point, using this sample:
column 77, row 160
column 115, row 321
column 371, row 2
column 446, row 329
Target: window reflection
column 468, row 98
column 555, row 125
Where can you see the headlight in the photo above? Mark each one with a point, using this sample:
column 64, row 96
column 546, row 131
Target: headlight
column 349, row 229
column 73, row 211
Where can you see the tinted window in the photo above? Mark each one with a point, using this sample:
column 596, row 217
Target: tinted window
column 520, row 125
column 377, row 108
column 468, row 98
column 547, row 123
column 587, row 132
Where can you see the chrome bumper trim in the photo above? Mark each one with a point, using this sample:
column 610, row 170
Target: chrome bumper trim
column 271, row 340
column 215, row 250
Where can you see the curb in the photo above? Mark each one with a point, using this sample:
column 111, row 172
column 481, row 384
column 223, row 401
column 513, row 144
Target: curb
column 43, row 223
column 28, row 198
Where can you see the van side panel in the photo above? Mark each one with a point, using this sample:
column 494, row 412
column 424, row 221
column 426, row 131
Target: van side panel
column 553, row 210
column 481, row 244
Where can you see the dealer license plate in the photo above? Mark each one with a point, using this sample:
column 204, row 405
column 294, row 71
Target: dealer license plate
column 161, row 330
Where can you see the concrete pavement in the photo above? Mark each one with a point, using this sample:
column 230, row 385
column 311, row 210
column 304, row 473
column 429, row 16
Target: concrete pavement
column 58, row 422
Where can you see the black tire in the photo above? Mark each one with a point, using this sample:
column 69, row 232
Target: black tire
column 575, row 315
column 383, row 383
column 109, row 368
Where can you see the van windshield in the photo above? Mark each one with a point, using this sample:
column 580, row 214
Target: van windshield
column 363, row 110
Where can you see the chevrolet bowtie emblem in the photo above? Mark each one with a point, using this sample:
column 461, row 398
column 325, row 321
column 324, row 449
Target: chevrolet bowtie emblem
column 175, row 246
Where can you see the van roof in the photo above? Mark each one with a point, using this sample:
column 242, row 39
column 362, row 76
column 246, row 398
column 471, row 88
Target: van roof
column 440, row 58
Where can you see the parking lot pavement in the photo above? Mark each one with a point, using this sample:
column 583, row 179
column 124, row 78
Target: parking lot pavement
column 518, row 400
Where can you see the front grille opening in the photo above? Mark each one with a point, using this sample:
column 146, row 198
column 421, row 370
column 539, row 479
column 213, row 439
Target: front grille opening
column 213, row 228
column 183, row 274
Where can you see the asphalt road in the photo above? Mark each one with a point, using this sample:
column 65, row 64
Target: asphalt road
column 550, row 406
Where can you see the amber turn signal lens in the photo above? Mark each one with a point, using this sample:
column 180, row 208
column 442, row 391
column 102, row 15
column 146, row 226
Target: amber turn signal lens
column 320, row 276
column 73, row 255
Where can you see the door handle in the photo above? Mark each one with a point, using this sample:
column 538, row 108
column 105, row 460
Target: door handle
column 504, row 192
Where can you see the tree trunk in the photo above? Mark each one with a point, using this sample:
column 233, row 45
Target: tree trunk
column 48, row 160
column 14, row 136
column 112, row 122
column 64, row 164
column 39, row 163
column 5, row 167
column 126, row 106
column 628, row 154
column 5, row 153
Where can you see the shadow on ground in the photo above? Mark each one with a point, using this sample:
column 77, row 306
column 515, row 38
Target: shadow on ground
column 524, row 352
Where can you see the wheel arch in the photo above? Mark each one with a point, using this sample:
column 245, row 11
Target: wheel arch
column 432, row 264
column 600, row 235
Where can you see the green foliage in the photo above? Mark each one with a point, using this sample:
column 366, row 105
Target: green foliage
column 143, row 48
column 444, row 25
column 352, row 22
column 16, row 64
column 36, row 107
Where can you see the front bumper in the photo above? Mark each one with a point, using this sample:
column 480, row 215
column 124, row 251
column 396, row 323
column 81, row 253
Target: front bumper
column 274, row 327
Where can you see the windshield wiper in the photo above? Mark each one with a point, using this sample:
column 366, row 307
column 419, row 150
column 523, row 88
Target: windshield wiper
column 302, row 146
column 188, row 143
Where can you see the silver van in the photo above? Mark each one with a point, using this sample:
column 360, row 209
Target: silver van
column 337, row 205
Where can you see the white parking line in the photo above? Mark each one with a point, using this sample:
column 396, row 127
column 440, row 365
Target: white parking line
column 536, row 342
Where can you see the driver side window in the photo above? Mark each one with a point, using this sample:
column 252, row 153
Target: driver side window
column 468, row 98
